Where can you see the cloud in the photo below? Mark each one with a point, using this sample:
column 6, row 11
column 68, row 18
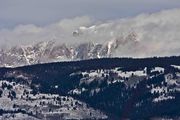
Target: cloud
column 156, row 34
column 28, row 34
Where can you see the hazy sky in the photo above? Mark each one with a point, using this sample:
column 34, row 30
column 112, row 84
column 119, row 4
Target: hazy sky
column 44, row 12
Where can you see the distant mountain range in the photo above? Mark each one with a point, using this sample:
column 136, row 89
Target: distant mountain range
column 45, row 52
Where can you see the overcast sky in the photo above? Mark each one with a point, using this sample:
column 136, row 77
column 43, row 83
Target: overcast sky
column 44, row 12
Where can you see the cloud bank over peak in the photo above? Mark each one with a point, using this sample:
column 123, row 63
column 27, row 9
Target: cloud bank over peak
column 145, row 35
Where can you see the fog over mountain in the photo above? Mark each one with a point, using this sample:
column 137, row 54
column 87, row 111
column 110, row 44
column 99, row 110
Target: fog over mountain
column 89, row 60
column 145, row 35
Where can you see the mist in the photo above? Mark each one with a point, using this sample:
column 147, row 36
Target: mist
column 157, row 34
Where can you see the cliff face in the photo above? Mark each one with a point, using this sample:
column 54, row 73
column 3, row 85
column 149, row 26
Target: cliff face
column 49, row 52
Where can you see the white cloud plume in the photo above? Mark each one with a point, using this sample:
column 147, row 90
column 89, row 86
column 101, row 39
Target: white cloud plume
column 157, row 33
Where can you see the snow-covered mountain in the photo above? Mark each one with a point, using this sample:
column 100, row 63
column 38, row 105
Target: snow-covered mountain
column 145, row 35
column 44, row 52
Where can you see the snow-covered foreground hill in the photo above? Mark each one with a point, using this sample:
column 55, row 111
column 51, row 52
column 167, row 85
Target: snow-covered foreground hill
column 19, row 102
column 114, row 89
